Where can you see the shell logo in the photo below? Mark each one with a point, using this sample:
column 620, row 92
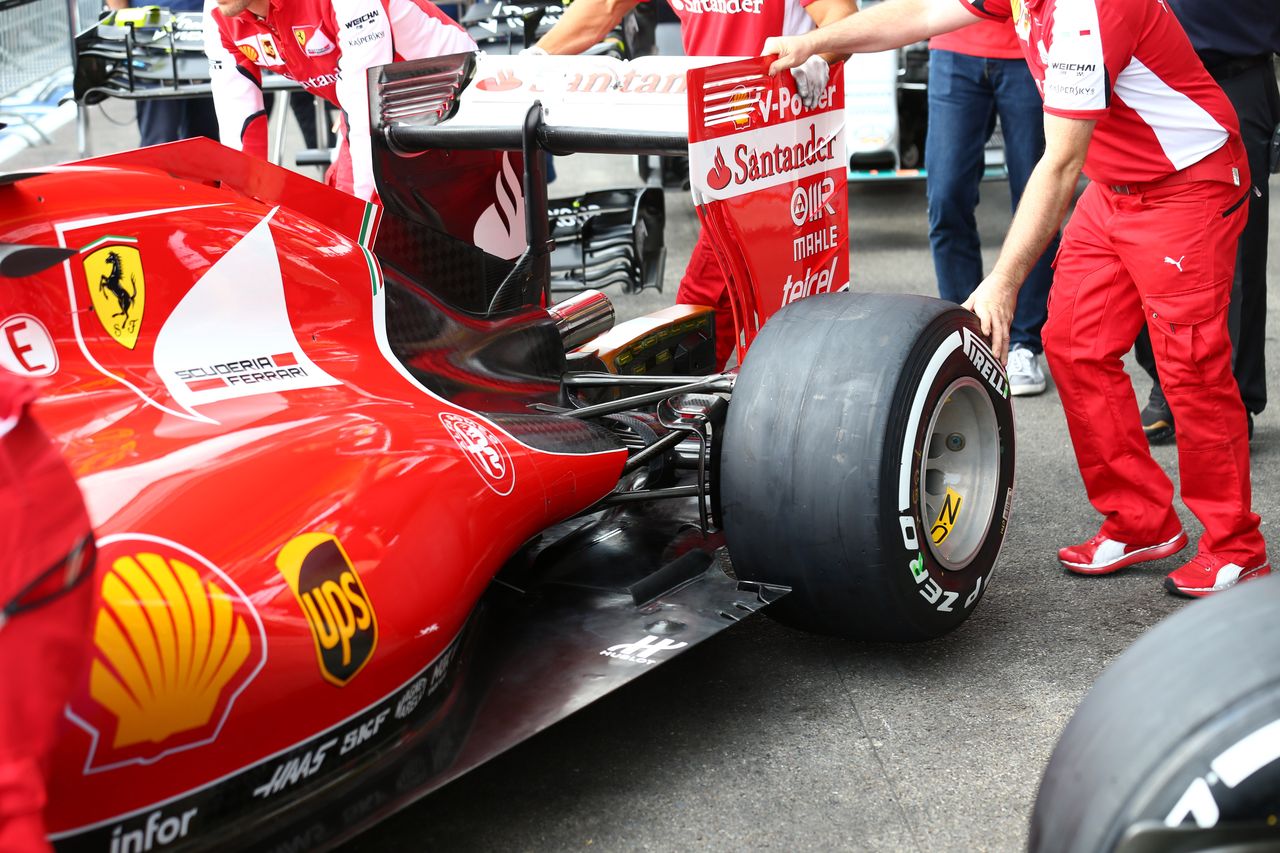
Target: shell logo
column 175, row 642
column 249, row 51
column 740, row 106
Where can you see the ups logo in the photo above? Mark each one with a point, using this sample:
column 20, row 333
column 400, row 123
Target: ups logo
column 334, row 600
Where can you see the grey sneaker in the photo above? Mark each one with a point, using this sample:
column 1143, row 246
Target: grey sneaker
column 1025, row 374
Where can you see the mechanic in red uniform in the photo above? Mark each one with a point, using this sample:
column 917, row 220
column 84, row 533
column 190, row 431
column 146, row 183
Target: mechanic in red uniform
column 46, row 549
column 1152, row 241
column 711, row 28
column 326, row 45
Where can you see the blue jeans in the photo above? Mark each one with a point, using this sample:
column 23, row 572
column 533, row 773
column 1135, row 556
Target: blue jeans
column 966, row 93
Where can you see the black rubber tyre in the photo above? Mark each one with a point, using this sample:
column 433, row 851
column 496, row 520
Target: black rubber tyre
column 1183, row 728
column 827, row 482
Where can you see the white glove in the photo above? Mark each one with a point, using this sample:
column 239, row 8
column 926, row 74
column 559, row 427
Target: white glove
column 811, row 79
column 532, row 51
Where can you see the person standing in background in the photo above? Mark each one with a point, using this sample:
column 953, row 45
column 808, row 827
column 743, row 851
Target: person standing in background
column 975, row 74
column 1236, row 42
column 171, row 119
column 327, row 46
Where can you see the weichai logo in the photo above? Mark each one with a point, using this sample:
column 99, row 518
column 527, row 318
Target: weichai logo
column 175, row 641
column 333, row 598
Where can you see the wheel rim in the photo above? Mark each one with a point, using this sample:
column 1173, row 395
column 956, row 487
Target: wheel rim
column 960, row 473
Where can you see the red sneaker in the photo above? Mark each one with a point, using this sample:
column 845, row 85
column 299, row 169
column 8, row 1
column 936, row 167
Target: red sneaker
column 1102, row 556
column 1207, row 574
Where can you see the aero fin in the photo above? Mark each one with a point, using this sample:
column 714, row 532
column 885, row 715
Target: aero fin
column 18, row 260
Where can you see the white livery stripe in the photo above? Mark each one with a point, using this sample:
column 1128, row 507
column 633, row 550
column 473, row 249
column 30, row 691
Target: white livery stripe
column 819, row 139
column 1075, row 76
column 1186, row 132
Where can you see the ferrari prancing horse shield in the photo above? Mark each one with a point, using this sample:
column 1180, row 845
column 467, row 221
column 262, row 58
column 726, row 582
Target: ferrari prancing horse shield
column 116, row 286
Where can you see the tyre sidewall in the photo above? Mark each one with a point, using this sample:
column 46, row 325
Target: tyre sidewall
column 932, row 597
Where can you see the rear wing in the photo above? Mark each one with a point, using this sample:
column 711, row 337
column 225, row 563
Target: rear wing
column 458, row 148
column 587, row 103
column 776, row 221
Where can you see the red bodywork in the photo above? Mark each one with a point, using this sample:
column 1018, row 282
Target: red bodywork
column 292, row 528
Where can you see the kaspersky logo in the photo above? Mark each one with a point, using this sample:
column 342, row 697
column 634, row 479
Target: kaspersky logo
column 333, row 598
column 117, row 287
column 175, row 642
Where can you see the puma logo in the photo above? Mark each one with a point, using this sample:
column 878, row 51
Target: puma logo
column 1177, row 263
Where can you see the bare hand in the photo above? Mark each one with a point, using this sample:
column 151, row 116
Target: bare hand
column 994, row 301
column 791, row 51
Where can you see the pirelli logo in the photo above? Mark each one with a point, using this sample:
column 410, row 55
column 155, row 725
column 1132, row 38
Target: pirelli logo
column 335, row 602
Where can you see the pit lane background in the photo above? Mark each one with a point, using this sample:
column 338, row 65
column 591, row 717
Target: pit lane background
column 768, row 738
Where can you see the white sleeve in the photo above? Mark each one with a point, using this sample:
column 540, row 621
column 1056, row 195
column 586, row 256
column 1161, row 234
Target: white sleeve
column 364, row 40
column 237, row 90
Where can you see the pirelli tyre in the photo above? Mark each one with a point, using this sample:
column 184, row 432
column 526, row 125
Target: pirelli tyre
column 1177, row 746
column 867, row 464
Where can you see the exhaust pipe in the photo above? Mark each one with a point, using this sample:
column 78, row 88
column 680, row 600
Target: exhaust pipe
column 582, row 317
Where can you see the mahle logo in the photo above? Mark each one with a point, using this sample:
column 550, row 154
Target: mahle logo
column 117, row 288
column 334, row 600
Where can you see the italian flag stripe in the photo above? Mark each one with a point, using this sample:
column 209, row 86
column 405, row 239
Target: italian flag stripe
column 108, row 239
column 375, row 272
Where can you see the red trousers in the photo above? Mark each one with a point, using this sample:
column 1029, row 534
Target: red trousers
column 704, row 283
column 1164, row 257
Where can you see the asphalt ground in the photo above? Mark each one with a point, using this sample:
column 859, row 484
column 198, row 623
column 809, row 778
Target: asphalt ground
column 764, row 737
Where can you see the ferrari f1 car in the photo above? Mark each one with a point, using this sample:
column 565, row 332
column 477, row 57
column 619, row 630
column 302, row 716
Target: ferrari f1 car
column 371, row 509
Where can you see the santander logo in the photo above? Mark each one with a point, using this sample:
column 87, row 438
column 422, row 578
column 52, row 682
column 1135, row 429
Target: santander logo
column 503, row 81
column 761, row 161
column 499, row 230
column 720, row 175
